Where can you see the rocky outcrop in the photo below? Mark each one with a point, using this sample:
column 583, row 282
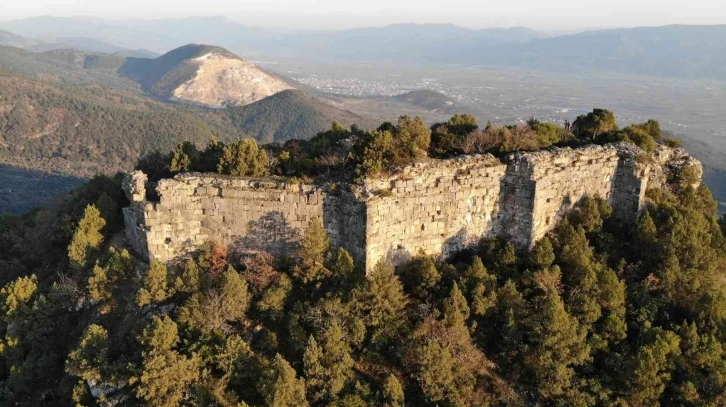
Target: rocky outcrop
column 670, row 162
column 437, row 207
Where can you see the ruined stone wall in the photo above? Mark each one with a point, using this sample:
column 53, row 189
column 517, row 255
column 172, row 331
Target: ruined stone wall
column 436, row 206
column 550, row 183
column 243, row 214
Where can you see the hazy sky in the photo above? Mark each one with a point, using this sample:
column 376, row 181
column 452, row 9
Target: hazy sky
column 542, row 14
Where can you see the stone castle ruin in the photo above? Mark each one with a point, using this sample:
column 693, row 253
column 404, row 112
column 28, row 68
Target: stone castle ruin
column 437, row 207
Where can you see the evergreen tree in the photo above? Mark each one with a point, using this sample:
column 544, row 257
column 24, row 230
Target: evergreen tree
column 90, row 358
column 219, row 307
column 343, row 271
column 184, row 158
column 480, row 286
column 327, row 369
column 314, row 371
column 313, row 252
column 543, row 254
column 105, row 279
column 652, row 369
column 392, row 393
column 108, row 209
column 382, row 301
column 87, row 238
column 281, row 387
column 155, row 285
column 456, row 310
column 244, row 158
column 166, row 376
column 191, row 278
column 420, row 277
column 557, row 347
column 415, row 134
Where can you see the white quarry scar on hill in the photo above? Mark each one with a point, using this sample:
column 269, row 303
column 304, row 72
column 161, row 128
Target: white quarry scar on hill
column 221, row 79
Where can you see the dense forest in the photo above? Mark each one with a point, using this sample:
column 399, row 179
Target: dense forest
column 597, row 313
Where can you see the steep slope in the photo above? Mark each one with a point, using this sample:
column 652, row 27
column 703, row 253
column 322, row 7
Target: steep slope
column 66, row 66
column 203, row 74
column 291, row 114
column 13, row 40
column 82, row 130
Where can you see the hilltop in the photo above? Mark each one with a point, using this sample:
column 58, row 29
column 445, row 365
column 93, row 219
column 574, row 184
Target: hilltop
column 203, row 74
column 600, row 310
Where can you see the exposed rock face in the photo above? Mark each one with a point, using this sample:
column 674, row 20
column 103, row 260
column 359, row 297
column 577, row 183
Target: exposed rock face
column 221, row 79
column 437, row 207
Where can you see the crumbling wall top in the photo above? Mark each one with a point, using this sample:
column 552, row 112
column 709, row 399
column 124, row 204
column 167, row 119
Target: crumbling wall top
column 429, row 170
column 134, row 186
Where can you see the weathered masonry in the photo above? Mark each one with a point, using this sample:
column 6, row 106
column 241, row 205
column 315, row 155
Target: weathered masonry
column 437, row 206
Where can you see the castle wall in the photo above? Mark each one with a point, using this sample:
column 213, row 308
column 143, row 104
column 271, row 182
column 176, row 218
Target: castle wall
column 564, row 178
column 243, row 214
column 437, row 207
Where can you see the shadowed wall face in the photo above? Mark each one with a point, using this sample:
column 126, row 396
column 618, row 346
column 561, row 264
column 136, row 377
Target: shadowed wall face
column 245, row 215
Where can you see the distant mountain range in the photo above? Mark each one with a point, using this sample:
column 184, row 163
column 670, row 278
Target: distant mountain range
column 78, row 43
column 677, row 50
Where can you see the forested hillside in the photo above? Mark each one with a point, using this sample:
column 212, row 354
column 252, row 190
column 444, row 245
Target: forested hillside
column 597, row 313
column 88, row 129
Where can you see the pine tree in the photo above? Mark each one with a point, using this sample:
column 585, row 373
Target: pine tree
column 281, row 388
column 191, row 278
column 313, row 251
column 382, row 301
column 90, row 358
column 314, row 371
column 108, row 209
column 392, row 393
column 543, row 254
column 161, row 334
column 217, row 308
column 105, row 279
column 421, row 276
column 337, row 361
column 155, row 285
column 557, row 346
column 481, row 287
column 343, row 271
column 652, row 368
column 185, row 157
column 16, row 295
column 166, row 377
column 87, row 237
column 244, row 158
column 328, row 368
column 456, row 310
